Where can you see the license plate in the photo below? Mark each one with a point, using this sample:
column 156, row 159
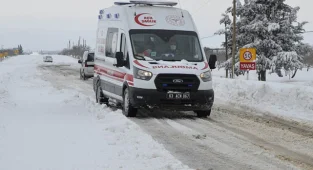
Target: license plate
column 177, row 95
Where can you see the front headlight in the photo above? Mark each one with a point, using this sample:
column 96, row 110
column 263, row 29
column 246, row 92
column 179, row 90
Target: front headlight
column 142, row 74
column 206, row 76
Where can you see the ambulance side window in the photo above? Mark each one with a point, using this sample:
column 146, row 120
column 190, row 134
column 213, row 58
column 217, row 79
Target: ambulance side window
column 111, row 42
column 124, row 50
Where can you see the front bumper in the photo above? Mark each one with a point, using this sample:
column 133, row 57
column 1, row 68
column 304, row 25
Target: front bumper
column 153, row 99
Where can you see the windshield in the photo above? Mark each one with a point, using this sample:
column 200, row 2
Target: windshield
column 91, row 57
column 167, row 45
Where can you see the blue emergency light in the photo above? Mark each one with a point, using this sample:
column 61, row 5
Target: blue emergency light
column 117, row 15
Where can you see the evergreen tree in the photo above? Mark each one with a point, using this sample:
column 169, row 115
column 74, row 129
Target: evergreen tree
column 272, row 28
column 20, row 49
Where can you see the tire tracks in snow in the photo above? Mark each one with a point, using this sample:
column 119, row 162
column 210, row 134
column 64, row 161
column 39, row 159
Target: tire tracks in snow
column 204, row 144
column 185, row 149
column 281, row 152
column 230, row 139
column 288, row 140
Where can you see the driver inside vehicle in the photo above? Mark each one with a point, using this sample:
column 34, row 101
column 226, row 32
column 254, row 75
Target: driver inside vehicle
column 172, row 48
column 148, row 49
column 173, row 45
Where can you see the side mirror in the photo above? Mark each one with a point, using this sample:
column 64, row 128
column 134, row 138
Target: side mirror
column 212, row 61
column 119, row 59
column 79, row 61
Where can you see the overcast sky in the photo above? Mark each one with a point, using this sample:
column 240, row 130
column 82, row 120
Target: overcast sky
column 49, row 24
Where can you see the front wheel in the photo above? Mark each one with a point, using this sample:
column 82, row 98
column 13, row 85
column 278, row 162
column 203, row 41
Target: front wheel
column 128, row 109
column 203, row 113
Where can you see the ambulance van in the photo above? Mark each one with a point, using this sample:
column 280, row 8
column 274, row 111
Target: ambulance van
column 148, row 55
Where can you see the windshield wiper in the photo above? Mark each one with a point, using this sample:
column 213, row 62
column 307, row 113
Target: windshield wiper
column 140, row 57
column 144, row 58
column 168, row 60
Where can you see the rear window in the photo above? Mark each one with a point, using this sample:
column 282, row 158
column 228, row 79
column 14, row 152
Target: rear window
column 90, row 57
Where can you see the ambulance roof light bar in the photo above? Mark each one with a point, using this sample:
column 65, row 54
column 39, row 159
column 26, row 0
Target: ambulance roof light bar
column 164, row 3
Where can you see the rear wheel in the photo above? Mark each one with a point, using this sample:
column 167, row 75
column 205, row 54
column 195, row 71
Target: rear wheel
column 100, row 98
column 203, row 113
column 80, row 75
column 128, row 109
column 84, row 76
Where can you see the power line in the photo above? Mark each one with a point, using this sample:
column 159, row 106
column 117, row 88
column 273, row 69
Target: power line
column 203, row 5
column 207, row 37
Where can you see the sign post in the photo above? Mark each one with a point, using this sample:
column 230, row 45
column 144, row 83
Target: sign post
column 247, row 59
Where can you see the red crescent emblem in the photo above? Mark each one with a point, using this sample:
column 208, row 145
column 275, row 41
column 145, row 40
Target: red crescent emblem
column 140, row 23
column 139, row 64
column 206, row 66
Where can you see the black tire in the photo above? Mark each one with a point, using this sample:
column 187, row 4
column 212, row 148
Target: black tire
column 128, row 109
column 80, row 75
column 84, row 76
column 94, row 85
column 203, row 113
column 100, row 98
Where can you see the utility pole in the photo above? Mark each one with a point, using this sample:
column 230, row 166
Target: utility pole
column 226, row 46
column 234, row 38
column 79, row 42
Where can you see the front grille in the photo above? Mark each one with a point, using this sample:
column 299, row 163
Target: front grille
column 165, row 82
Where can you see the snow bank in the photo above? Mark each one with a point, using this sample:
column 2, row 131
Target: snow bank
column 281, row 99
column 303, row 77
column 59, row 129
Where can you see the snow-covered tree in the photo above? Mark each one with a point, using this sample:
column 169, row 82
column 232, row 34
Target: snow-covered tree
column 272, row 28
column 226, row 32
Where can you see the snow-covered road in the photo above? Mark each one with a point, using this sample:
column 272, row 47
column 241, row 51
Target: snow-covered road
column 48, row 120
column 46, row 127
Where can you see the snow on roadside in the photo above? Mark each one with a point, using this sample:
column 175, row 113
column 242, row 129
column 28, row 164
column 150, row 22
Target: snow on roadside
column 294, row 102
column 45, row 128
column 303, row 77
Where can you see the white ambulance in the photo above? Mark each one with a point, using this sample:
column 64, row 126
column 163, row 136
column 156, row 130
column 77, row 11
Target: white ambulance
column 148, row 55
